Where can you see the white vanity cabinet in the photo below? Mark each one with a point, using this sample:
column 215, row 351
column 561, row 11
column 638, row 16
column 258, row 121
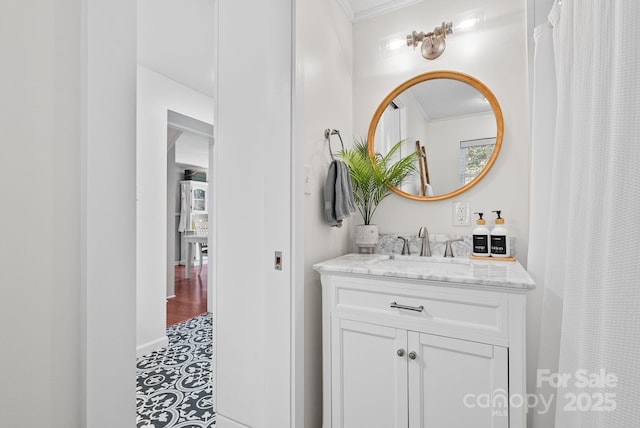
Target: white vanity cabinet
column 390, row 377
column 407, row 352
column 368, row 381
column 447, row 373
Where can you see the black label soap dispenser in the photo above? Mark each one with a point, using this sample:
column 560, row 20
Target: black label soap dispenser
column 500, row 246
column 480, row 238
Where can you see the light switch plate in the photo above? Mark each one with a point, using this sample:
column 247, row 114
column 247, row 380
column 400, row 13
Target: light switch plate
column 461, row 213
column 307, row 179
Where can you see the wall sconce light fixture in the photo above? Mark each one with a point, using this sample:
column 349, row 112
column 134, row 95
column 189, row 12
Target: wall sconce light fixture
column 433, row 43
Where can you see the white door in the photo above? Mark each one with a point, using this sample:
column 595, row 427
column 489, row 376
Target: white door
column 254, row 354
column 456, row 383
column 369, row 375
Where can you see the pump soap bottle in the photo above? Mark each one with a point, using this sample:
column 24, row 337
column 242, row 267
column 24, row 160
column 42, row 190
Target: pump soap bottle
column 480, row 238
column 500, row 246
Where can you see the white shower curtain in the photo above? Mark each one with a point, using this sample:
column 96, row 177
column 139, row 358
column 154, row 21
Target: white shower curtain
column 585, row 216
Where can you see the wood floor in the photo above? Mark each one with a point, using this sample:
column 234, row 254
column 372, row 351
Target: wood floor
column 191, row 296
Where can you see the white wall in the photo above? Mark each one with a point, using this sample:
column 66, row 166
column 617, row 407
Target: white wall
column 175, row 38
column 193, row 149
column 323, row 100
column 67, row 256
column 443, row 147
column 108, row 169
column 41, row 234
column 156, row 95
column 497, row 56
column 414, row 121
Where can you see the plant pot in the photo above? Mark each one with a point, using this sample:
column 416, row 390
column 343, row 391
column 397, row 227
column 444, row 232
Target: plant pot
column 366, row 237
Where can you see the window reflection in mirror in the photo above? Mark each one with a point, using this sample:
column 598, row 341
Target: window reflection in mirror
column 474, row 155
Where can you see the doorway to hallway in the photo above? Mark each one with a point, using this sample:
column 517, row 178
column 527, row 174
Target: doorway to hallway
column 190, row 298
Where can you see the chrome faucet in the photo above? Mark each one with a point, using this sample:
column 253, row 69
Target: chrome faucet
column 448, row 252
column 405, row 246
column 425, row 251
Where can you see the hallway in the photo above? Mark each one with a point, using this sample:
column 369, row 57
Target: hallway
column 191, row 295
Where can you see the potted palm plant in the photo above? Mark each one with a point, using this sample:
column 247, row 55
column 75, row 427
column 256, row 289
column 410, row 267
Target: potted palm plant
column 372, row 178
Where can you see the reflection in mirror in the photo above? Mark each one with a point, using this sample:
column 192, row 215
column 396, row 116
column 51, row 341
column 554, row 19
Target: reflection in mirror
column 454, row 123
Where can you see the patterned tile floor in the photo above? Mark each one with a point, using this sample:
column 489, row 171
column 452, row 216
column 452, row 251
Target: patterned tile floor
column 174, row 387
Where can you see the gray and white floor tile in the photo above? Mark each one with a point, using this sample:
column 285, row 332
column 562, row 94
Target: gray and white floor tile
column 174, row 388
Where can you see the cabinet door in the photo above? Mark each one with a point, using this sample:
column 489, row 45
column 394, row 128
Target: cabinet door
column 199, row 197
column 369, row 377
column 456, row 383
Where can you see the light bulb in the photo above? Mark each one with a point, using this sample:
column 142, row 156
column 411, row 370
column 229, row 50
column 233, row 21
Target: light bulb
column 393, row 44
column 467, row 24
column 468, row 21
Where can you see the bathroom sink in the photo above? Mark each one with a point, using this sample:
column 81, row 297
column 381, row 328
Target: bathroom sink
column 459, row 270
column 429, row 260
column 416, row 266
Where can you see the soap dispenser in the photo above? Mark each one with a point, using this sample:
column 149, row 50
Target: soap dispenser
column 500, row 246
column 480, row 238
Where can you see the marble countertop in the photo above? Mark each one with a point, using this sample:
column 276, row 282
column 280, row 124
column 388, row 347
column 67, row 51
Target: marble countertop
column 507, row 274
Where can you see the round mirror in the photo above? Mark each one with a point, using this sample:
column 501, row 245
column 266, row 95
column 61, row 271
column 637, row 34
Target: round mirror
column 452, row 120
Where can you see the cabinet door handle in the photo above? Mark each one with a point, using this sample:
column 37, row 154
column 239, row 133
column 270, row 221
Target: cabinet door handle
column 408, row 308
column 412, row 355
column 400, row 352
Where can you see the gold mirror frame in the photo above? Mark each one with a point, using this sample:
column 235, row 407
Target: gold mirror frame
column 461, row 77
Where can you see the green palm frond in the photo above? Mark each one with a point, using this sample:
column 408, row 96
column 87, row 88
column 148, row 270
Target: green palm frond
column 373, row 177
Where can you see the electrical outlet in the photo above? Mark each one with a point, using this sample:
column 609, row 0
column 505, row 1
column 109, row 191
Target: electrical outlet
column 461, row 214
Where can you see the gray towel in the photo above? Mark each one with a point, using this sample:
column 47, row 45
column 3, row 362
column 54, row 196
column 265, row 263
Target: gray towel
column 338, row 194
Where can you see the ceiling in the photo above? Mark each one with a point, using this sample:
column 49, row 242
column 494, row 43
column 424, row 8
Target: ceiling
column 192, row 150
column 358, row 10
column 175, row 39
column 444, row 98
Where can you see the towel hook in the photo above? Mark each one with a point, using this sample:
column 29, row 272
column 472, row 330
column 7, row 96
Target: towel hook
column 327, row 134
